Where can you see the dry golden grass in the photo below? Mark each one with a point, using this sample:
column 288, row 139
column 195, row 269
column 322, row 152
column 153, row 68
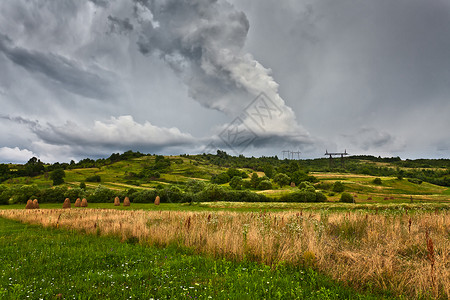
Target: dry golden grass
column 408, row 254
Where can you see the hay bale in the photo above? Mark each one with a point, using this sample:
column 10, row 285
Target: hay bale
column 292, row 184
column 78, row 202
column 126, row 201
column 157, row 200
column 29, row 205
column 116, row 201
column 84, row 202
column 66, row 203
column 36, row 203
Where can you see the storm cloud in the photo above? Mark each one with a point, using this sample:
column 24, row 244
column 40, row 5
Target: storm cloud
column 86, row 78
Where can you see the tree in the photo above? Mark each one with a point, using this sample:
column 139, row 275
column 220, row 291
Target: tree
column 338, row 187
column 347, row 198
column 236, row 183
column 268, row 170
column 58, row 176
column 82, row 185
column 254, row 180
column 377, row 181
column 265, row 185
column 282, row 179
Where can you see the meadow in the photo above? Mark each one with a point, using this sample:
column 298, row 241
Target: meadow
column 404, row 251
column 50, row 263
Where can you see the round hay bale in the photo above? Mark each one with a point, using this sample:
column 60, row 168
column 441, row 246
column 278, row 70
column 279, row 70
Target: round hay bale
column 126, row 201
column 116, row 201
column 36, row 203
column 157, row 200
column 29, row 205
column 66, row 203
column 84, row 202
column 78, row 202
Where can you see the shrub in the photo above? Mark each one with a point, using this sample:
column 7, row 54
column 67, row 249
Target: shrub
column 75, row 193
column 101, row 195
column 282, row 179
column 222, row 178
column 377, row 181
column 55, row 195
column 145, row 196
column 82, row 185
column 265, row 185
column 58, row 176
column 338, row 187
column 5, row 194
column 300, row 196
column 23, row 193
column 236, row 183
column 415, row 180
column 94, row 178
column 346, row 198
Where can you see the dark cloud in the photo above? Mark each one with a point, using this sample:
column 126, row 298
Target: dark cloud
column 371, row 77
column 69, row 74
column 120, row 26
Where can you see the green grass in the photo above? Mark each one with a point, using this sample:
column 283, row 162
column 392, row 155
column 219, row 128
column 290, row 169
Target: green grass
column 39, row 263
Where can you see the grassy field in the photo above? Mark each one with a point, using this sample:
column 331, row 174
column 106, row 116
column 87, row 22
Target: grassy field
column 48, row 263
column 385, row 249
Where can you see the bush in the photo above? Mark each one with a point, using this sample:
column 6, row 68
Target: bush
column 58, row 176
column 75, row 193
column 415, row 180
column 101, row 195
column 282, row 179
column 222, row 178
column 265, row 185
column 346, row 198
column 146, row 196
column 95, row 178
column 377, row 181
column 338, row 187
column 23, row 193
column 54, row 195
column 303, row 196
column 236, row 183
column 5, row 194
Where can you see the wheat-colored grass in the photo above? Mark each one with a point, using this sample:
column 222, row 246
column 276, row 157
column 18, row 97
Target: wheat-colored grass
column 383, row 251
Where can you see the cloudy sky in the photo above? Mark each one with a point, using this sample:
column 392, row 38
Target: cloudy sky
column 85, row 78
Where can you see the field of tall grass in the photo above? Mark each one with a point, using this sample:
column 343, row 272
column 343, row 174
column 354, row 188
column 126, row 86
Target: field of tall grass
column 405, row 252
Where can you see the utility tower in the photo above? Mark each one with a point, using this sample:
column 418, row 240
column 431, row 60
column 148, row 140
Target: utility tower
column 341, row 154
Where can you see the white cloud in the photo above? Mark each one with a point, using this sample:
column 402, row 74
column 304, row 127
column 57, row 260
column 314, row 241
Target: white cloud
column 15, row 155
column 120, row 132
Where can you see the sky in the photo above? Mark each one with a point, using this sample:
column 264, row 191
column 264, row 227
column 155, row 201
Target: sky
column 87, row 78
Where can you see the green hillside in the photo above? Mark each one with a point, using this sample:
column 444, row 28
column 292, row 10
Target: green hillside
column 185, row 176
